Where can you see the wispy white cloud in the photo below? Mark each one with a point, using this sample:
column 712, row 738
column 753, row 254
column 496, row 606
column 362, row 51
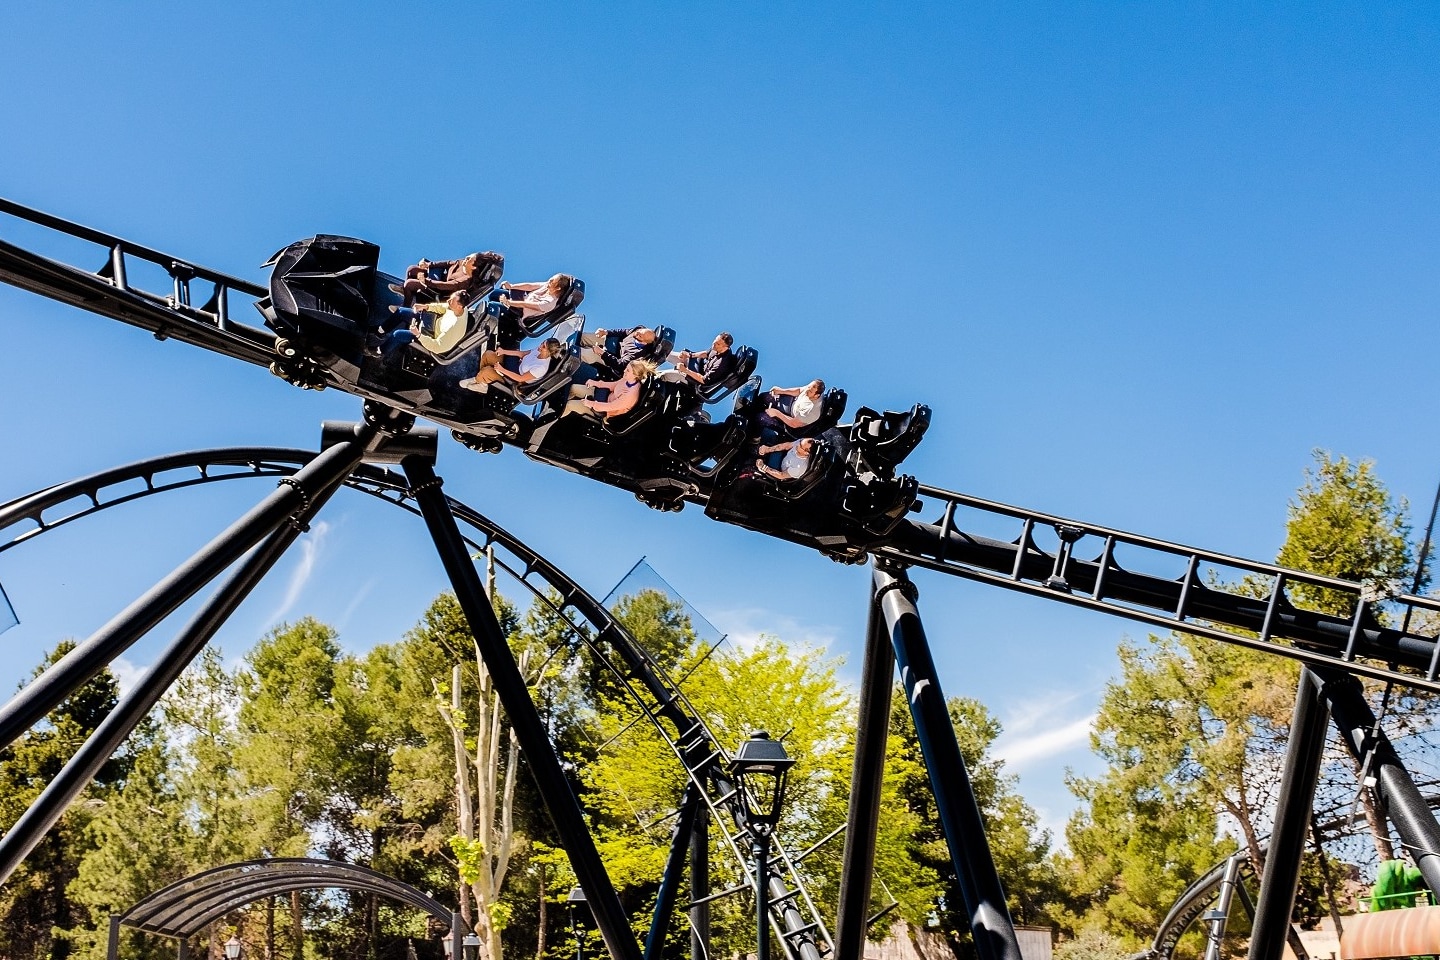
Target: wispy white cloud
column 126, row 674
column 311, row 545
column 1021, row 749
column 1043, row 725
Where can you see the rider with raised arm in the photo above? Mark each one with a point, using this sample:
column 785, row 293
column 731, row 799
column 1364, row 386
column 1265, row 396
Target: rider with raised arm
column 434, row 326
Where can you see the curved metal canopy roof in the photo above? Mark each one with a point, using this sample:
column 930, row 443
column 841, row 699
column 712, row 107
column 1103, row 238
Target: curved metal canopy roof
column 187, row 906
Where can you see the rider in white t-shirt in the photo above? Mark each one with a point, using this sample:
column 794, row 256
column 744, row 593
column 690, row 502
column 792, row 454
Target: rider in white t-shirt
column 804, row 408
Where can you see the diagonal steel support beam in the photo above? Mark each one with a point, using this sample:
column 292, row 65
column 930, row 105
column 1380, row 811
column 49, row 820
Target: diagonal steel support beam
column 78, row 666
column 674, row 873
column 555, row 788
column 873, row 729
column 1303, row 754
column 990, row 926
column 324, row 474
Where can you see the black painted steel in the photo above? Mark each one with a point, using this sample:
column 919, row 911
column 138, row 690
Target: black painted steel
column 555, row 788
column 877, row 679
column 1273, row 624
column 700, row 886
column 168, row 314
column 762, row 894
column 1402, row 801
column 82, row 663
column 186, row 907
column 991, row 929
column 1360, row 646
column 87, row 495
column 325, row 475
column 673, row 874
column 1303, row 755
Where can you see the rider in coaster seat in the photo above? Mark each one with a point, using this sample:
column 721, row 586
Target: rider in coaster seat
column 787, row 461
column 624, row 393
column 534, row 365
column 432, row 280
column 792, row 409
column 437, row 328
column 762, row 491
column 709, row 369
column 530, row 309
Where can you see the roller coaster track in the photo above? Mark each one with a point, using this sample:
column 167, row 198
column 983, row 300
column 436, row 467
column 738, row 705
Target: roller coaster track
column 1213, row 595
column 796, row 920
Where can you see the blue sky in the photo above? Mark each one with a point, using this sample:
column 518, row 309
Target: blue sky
column 1139, row 259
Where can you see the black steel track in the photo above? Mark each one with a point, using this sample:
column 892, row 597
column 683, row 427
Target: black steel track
column 1128, row 575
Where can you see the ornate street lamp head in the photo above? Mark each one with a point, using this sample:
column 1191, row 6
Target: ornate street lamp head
column 762, row 768
column 232, row 948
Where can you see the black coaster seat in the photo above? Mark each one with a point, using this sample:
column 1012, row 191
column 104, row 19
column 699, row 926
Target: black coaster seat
column 706, row 448
column 886, row 439
column 824, row 460
column 559, row 374
column 647, row 407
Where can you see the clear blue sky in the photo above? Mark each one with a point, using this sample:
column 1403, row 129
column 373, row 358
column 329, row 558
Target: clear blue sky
column 1139, row 258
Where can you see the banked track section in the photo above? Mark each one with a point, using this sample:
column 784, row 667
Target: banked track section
column 796, row 920
column 1164, row 585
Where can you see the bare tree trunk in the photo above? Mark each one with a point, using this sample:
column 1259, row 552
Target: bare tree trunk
column 1241, row 813
column 297, row 925
column 1379, row 831
column 540, row 935
column 269, row 928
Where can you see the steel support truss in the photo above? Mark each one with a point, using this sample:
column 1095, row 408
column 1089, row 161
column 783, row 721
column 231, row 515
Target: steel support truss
column 303, row 491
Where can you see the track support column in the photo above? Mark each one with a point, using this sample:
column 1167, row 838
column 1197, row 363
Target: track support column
column 674, row 873
column 990, row 924
column 1308, row 726
column 700, row 885
column 1395, row 788
column 871, row 735
column 555, row 788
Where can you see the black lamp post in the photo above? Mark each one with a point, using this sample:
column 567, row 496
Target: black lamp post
column 470, row 947
column 576, row 903
column 762, row 768
column 232, row 948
